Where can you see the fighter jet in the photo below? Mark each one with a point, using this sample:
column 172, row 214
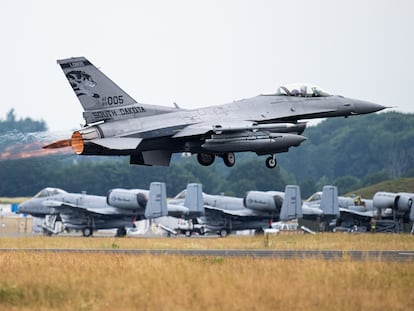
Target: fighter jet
column 119, row 209
column 116, row 124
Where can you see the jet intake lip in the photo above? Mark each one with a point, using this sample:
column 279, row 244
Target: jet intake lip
column 77, row 142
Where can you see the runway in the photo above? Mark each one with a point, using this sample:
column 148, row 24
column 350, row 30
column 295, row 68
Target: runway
column 381, row 255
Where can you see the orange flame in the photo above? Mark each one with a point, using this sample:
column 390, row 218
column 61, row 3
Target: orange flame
column 29, row 150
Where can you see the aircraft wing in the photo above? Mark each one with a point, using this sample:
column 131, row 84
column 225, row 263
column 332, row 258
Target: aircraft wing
column 245, row 212
column 60, row 206
column 368, row 214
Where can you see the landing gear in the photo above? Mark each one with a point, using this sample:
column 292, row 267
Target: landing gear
column 205, row 159
column 271, row 162
column 229, row 159
column 120, row 232
column 87, row 231
column 223, row 233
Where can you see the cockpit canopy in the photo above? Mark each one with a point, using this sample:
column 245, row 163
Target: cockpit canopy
column 48, row 192
column 302, row 89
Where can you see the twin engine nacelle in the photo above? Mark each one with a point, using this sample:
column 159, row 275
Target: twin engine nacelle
column 128, row 199
column 264, row 201
column 400, row 202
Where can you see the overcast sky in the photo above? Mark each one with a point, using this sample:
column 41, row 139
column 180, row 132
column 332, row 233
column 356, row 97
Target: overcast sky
column 199, row 53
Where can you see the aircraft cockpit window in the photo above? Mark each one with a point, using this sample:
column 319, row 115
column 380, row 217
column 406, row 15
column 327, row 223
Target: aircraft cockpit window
column 42, row 194
column 48, row 192
column 302, row 90
column 181, row 195
column 315, row 197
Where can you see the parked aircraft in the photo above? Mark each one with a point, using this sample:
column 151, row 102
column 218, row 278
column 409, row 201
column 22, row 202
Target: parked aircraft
column 186, row 212
column 80, row 211
column 320, row 209
column 115, row 124
column 256, row 210
column 386, row 212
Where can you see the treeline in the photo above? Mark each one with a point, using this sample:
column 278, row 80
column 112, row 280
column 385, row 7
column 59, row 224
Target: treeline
column 25, row 177
column 350, row 153
column 27, row 125
column 354, row 152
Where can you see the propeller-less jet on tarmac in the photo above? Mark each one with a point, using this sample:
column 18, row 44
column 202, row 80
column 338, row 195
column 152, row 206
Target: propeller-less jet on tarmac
column 257, row 210
column 79, row 211
column 266, row 124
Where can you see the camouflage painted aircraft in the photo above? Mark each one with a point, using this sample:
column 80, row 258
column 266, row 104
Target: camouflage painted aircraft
column 116, row 124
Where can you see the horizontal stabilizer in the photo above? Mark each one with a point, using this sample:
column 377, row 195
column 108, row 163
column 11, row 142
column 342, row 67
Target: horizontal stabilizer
column 118, row 143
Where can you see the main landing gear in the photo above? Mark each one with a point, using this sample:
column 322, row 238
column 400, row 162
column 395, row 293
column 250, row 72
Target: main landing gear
column 229, row 159
column 207, row 159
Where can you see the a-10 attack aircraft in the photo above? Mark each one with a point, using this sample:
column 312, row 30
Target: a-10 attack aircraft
column 115, row 124
column 79, row 211
column 389, row 211
column 256, row 211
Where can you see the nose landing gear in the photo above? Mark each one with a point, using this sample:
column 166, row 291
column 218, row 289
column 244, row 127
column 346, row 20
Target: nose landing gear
column 271, row 161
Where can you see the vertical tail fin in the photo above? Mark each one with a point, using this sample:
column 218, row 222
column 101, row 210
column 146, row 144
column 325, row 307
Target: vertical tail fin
column 292, row 204
column 157, row 201
column 99, row 96
column 94, row 89
column 194, row 200
column 329, row 201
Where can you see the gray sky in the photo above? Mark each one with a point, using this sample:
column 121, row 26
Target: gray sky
column 199, row 53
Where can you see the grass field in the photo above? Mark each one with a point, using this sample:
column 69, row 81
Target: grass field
column 323, row 241
column 68, row 281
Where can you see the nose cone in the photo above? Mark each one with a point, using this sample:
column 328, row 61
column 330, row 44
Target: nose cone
column 293, row 139
column 21, row 208
column 363, row 107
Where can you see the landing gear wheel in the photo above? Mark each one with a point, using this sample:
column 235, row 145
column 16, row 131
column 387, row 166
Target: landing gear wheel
column 188, row 233
column 121, row 232
column 229, row 159
column 223, row 233
column 271, row 162
column 87, row 231
column 205, row 159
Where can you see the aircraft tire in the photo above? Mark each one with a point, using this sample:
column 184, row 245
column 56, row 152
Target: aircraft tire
column 188, row 233
column 120, row 232
column 229, row 159
column 87, row 231
column 271, row 162
column 223, row 233
column 205, row 159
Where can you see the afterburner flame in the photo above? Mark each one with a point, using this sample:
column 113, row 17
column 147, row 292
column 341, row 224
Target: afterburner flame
column 29, row 150
column 77, row 142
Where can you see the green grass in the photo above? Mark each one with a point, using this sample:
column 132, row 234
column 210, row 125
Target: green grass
column 392, row 185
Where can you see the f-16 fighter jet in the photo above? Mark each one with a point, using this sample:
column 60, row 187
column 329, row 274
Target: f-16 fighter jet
column 116, row 124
